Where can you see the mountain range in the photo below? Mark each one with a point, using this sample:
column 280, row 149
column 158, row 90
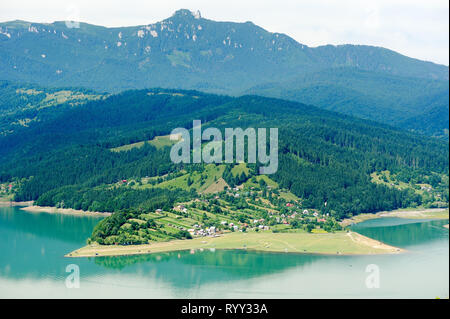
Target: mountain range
column 187, row 51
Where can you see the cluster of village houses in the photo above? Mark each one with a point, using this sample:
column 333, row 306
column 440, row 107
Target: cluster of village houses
column 283, row 218
column 214, row 232
column 197, row 230
column 6, row 188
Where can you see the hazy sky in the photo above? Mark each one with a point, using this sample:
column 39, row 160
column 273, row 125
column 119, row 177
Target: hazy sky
column 418, row 29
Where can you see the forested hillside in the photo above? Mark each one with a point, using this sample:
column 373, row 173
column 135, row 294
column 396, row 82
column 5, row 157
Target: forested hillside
column 21, row 104
column 325, row 159
column 412, row 103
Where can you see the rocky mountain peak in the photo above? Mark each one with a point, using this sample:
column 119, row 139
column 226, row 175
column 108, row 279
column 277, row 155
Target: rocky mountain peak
column 185, row 13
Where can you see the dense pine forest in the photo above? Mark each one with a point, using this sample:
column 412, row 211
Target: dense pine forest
column 327, row 160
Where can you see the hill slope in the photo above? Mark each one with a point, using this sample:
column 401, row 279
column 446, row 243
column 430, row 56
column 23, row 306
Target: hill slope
column 323, row 156
column 411, row 103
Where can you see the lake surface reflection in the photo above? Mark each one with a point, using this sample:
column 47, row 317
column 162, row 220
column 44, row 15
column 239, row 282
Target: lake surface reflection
column 32, row 265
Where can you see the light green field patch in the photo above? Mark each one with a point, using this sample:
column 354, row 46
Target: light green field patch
column 126, row 226
column 269, row 182
column 216, row 187
column 339, row 243
column 74, row 98
column 288, row 196
column 206, row 53
column 167, row 93
column 158, row 142
column 211, row 174
column 24, row 122
column 28, row 91
column 149, row 216
column 59, row 97
column 378, row 178
column 180, row 58
column 319, row 231
column 385, row 178
column 179, row 222
column 239, row 169
column 139, row 221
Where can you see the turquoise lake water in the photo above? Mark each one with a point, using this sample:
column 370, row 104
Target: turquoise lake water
column 32, row 265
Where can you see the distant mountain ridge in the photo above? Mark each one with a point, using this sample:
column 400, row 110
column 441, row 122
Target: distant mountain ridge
column 188, row 51
column 412, row 103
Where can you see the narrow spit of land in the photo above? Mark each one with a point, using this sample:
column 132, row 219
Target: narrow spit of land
column 339, row 243
column 67, row 211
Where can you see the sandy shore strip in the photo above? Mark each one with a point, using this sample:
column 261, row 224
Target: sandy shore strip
column 68, row 211
column 429, row 213
column 340, row 243
column 4, row 203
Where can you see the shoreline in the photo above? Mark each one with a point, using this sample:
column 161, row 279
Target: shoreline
column 30, row 207
column 342, row 243
column 4, row 203
column 420, row 213
column 66, row 211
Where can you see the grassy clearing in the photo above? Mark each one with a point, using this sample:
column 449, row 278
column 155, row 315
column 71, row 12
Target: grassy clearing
column 180, row 58
column 423, row 189
column 333, row 243
column 59, row 97
column 64, row 96
column 6, row 198
column 254, row 182
column 216, row 187
column 239, row 169
column 196, row 180
column 158, row 142
column 29, row 91
column 288, row 196
column 385, row 178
